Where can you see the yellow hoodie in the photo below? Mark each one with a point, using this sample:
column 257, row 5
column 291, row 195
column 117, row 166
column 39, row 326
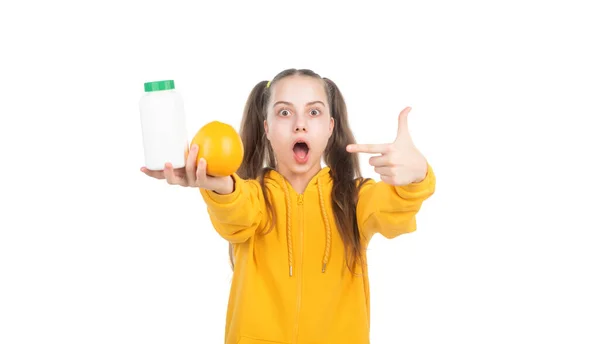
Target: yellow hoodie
column 292, row 285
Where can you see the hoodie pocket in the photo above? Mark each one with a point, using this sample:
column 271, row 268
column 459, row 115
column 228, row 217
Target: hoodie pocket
column 248, row 340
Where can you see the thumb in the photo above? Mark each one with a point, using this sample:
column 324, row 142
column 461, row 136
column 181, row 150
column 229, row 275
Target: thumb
column 403, row 132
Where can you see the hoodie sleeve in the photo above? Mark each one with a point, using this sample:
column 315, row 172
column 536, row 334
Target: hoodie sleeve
column 391, row 210
column 238, row 215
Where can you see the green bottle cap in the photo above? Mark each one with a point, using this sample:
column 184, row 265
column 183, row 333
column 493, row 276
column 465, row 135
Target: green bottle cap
column 159, row 85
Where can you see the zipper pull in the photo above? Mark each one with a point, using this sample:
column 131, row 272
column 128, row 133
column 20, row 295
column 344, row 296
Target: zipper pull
column 300, row 199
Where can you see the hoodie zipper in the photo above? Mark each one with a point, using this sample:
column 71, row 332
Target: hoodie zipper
column 299, row 270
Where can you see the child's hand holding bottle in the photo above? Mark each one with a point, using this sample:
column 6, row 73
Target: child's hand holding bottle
column 192, row 176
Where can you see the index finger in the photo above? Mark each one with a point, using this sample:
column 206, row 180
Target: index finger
column 368, row 148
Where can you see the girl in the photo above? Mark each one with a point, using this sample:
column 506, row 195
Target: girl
column 298, row 231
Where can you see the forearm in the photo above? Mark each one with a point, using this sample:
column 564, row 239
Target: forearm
column 237, row 212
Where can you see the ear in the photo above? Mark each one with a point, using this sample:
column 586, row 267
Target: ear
column 331, row 125
column 266, row 128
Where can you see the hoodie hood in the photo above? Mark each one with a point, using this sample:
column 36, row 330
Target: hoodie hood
column 317, row 182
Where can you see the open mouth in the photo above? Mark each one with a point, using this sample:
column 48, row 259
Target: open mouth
column 301, row 150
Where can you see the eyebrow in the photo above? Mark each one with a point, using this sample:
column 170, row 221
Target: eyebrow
column 290, row 104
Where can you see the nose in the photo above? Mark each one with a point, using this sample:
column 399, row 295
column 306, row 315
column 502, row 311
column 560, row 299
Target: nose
column 300, row 124
column 300, row 128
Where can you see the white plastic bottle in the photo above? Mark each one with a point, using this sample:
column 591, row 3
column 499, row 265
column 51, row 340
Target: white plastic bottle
column 163, row 125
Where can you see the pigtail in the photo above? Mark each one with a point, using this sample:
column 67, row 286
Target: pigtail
column 345, row 169
column 259, row 157
column 257, row 149
column 258, row 154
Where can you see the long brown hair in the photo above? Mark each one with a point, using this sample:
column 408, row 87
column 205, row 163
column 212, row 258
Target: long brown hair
column 344, row 166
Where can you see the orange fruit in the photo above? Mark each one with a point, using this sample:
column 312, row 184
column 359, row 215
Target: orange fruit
column 221, row 146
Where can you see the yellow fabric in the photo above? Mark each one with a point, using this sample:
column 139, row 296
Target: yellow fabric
column 292, row 285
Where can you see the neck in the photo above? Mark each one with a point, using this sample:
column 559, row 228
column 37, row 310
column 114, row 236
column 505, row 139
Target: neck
column 299, row 181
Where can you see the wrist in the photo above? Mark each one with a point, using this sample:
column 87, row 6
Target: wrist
column 227, row 188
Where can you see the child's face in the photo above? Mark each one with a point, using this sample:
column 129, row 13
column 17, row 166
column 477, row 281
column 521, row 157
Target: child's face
column 298, row 110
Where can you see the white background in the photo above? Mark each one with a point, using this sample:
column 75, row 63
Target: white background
column 503, row 95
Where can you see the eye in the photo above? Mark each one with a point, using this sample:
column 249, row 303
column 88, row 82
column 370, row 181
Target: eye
column 315, row 112
column 284, row 112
